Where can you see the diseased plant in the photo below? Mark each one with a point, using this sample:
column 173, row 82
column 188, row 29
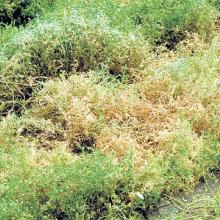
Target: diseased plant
column 107, row 107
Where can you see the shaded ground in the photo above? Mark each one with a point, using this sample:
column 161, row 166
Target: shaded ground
column 172, row 206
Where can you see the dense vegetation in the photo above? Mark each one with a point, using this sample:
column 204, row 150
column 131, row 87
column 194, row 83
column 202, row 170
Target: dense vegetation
column 107, row 106
column 20, row 12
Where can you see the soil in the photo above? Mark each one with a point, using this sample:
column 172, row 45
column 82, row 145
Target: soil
column 206, row 187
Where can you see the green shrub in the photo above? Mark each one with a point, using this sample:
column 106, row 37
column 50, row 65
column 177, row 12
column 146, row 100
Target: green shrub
column 62, row 188
column 48, row 49
column 168, row 21
column 216, row 3
column 92, row 187
column 20, row 12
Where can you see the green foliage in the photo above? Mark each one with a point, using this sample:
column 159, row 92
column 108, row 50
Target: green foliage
column 20, row 12
column 216, row 3
column 47, row 49
column 164, row 21
column 61, row 188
